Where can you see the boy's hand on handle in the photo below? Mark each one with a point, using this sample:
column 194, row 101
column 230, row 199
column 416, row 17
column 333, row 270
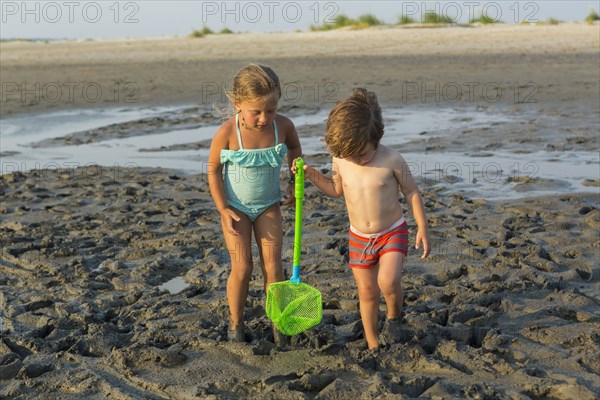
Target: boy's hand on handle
column 227, row 218
column 290, row 193
column 294, row 169
column 423, row 240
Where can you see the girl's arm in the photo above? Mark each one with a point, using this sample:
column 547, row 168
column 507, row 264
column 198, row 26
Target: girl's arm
column 215, row 180
column 294, row 151
column 292, row 142
column 411, row 193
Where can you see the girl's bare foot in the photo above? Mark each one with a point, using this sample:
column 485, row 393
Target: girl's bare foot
column 280, row 339
column 236, row 333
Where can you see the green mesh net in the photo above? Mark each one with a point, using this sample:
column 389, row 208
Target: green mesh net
column 293, row 307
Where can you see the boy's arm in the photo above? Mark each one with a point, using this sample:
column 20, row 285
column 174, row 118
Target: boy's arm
column 410, row 191
column 330, row 186
column 418, row 210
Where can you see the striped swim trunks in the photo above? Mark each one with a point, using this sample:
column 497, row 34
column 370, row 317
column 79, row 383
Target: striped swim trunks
column 367, row 248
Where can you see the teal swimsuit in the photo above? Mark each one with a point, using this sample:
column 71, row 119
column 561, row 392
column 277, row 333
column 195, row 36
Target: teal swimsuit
column 251, row 176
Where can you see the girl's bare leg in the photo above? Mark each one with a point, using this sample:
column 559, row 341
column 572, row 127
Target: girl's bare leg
column 241, row 271
column 268, row 232
column 368, row 295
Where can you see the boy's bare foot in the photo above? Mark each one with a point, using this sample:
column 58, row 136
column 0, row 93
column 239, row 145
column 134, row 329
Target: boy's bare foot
column 394, row 331
column 236, row 334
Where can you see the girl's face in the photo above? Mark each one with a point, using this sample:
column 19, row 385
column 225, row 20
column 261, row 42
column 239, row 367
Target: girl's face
column 258, row 114
column 364, row 156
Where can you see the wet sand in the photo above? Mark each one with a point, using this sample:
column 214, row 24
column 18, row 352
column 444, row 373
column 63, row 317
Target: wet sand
column 506, row 307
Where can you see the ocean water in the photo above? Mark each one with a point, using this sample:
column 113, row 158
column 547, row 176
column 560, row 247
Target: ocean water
column 496, row 174
column 174, row 286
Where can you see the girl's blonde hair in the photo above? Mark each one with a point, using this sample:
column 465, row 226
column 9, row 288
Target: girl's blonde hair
column 353, row 124
column 253, row 82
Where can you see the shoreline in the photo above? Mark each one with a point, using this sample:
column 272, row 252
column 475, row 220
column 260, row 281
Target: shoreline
column 491, row 152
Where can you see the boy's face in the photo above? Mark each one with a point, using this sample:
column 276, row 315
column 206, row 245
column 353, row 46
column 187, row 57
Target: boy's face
column 258, row 114
column 365, row 156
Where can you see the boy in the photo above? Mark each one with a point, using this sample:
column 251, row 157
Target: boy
column 369, row 175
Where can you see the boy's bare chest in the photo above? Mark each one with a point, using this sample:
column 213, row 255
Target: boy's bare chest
column 368, row 179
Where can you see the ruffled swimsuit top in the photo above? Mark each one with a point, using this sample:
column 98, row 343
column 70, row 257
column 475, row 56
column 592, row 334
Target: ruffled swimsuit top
column 251, row 176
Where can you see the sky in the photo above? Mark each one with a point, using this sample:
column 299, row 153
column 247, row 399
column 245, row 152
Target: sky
column 105, row 19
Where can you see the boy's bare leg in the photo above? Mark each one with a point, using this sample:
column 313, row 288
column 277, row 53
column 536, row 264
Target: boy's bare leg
column 389, row 280
column 390, row 283
column 368, row 295
column 241, row 272
column 268, row 231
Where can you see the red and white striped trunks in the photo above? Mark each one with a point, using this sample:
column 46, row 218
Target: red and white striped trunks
column 366, row 249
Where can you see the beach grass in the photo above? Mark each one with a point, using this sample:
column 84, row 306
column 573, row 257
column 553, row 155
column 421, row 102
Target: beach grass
column 434, row 18
column 551, row 21
column 405, row 19
column 429, row 18
column 369, row 19
column 592, row 17
column 201, row 33
column 343, row 21
column 207, row 31
column 484, row 19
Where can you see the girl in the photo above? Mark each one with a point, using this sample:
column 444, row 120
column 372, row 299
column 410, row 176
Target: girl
column 245, row 160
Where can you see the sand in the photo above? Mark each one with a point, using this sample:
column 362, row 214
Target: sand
column 550, row 64
column 506, row 307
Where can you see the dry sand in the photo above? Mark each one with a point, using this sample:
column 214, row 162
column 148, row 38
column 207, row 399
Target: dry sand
column 552, row 64
column 506, row 307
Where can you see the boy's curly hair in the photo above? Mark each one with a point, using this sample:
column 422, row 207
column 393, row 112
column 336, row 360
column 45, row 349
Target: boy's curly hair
column 353, row 123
